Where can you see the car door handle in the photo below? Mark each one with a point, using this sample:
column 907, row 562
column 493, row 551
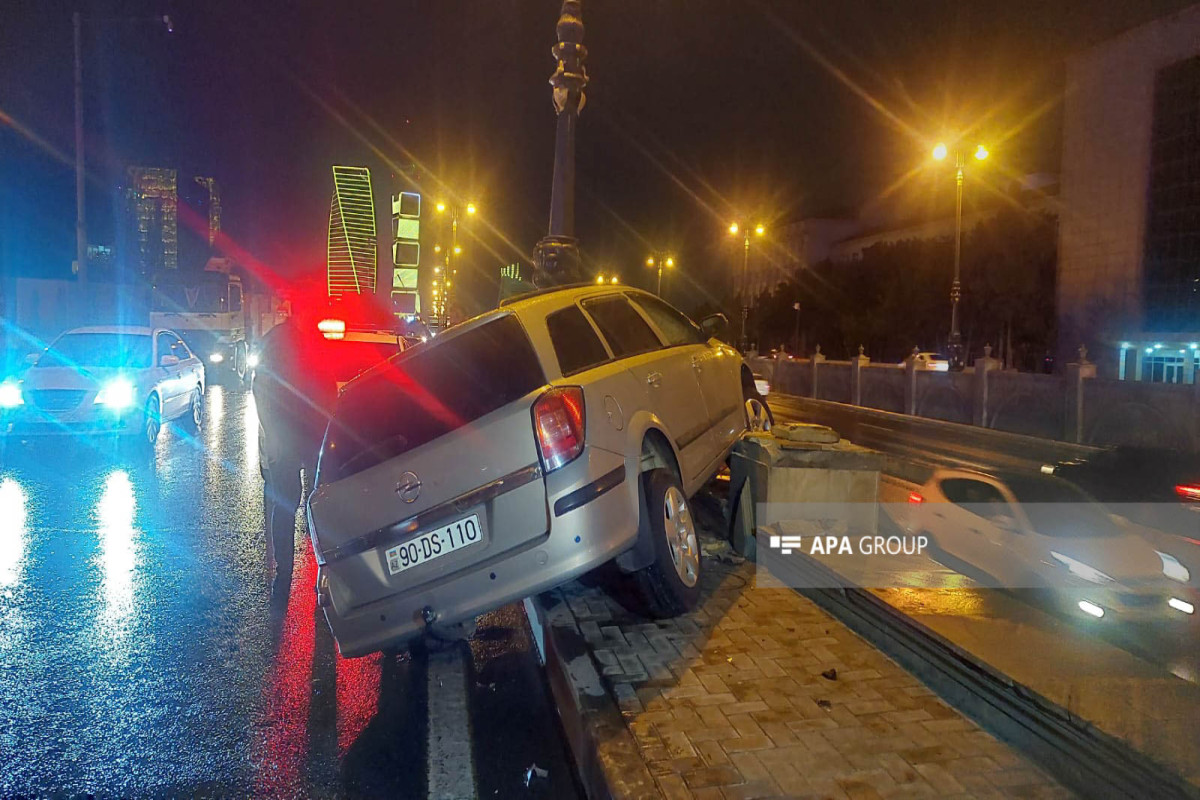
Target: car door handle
column 654, row 379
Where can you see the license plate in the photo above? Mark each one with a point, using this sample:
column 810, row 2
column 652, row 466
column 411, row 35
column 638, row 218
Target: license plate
column 427, row 546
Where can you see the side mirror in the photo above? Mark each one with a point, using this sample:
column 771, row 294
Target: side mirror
column 168, row 360
column 714, row 325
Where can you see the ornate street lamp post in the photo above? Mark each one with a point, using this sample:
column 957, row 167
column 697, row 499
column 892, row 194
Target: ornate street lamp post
column 557, row 254
column 759, row 230
column 957, row 361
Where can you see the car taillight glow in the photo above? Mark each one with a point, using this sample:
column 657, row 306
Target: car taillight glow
column 558, row 423
column 332, row 328
column 1190, row 492
column 915, row 497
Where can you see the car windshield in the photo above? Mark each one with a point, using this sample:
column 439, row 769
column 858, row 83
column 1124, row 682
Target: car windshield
column 1059, row 509
column 122, row 350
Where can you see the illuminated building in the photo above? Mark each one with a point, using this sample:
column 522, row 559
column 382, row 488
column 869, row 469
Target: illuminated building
column 1129, row 236
column 351, row 255
column 199, row 221
column 151, row 212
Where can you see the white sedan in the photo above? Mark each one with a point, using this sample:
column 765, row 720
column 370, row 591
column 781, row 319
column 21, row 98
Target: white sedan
column 105, row 380
column 1031, row 531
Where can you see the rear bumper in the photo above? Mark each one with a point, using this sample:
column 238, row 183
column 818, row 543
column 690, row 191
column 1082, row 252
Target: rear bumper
column 578, row 540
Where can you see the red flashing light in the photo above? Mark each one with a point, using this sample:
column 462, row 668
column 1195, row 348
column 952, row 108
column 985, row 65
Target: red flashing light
column 1189, row 492
column 332, row 328
column 915, row 497
column 558, row 423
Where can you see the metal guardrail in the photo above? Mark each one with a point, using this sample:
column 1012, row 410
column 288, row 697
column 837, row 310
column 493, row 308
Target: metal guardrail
column 917, row 445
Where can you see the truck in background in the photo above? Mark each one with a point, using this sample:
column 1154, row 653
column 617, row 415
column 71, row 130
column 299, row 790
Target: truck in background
column 220, row 311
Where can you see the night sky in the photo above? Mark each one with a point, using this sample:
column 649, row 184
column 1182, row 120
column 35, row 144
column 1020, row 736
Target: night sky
column 698, row 111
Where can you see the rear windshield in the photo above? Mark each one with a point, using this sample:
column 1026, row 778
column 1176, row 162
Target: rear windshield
column 427, row 392
column 129, row 351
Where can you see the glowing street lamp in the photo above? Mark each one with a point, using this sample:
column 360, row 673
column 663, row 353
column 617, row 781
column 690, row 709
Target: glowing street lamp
column 660, row 259
column 455, row 250
column 759, row 230
column 940, row 152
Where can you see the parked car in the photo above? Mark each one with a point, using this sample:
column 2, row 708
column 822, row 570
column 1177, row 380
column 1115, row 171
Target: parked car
column 94, row 381
column 517, row 451
column 1034, row 531
column 934, row 362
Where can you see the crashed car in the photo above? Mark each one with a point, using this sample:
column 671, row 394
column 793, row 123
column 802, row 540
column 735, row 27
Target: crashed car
column 517, row 451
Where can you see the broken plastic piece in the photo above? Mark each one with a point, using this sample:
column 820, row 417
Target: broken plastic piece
column 534, row 771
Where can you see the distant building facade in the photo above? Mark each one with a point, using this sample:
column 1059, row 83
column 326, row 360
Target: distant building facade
column 352, row 257
column 1129, row 232
column 151, row 219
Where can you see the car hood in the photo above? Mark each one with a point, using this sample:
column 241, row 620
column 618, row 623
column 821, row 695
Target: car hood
column 1127, row 559
column 71, row 377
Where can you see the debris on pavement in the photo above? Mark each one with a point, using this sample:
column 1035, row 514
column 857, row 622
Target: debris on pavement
column 534, row 771
column 830, row 674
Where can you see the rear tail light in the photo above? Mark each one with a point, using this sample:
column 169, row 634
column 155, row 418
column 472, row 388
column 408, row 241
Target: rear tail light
column 915, row 497
column 332, row 328
column 558, row 423
column 1189, row 492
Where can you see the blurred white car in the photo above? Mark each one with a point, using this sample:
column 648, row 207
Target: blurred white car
column 117, row 379
column 1033, row 531
column 934, row 362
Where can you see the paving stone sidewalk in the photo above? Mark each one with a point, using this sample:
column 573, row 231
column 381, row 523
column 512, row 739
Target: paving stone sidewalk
column 760, row 693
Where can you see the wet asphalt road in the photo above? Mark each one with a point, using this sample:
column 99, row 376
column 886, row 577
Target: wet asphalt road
column 139, row 653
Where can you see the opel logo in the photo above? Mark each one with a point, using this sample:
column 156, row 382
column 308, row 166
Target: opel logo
column 409, row 487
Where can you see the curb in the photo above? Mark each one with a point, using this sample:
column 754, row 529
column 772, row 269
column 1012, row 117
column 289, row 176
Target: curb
column 589, row 715
column 1086, row 759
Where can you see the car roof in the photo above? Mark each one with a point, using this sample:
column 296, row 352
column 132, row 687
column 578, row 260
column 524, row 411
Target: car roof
column 128, row 330
column 561, row 296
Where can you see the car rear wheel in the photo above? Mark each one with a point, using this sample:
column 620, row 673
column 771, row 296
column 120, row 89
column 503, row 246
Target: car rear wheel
column 671, row 585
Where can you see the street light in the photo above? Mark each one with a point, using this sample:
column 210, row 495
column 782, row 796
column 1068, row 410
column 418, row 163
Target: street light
column 660, row 259
column 759, row 230
column 939, row 154
column 440, row 307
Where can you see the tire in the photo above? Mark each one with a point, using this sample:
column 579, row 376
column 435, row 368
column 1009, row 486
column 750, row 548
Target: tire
column 671, row 585
column 193, row 420
column 758, row 414
column 151, row 423
column 241, row 364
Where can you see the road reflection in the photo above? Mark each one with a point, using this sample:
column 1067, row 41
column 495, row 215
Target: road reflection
column 117, row 557
column 12, row 534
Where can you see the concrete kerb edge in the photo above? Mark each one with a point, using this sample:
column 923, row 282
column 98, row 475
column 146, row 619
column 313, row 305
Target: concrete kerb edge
column 1085, row 758
column 588, row 712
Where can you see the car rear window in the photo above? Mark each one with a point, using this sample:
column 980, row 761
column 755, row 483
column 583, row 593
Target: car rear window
column 427, row 392
column 575, row 341
column 624, row 329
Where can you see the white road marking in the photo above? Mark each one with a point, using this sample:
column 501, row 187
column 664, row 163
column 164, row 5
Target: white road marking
column 451, row 765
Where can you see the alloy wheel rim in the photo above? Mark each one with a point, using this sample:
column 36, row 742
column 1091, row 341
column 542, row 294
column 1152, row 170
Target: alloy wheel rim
column 197, row 413
column 681, row 536
column 756, row 416
column 152, row 423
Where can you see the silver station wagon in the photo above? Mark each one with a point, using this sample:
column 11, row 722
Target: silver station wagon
column 517, row 451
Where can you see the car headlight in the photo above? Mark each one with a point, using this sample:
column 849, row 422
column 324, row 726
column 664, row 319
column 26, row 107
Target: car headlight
column 217, row 358
column 1090, row 574
column 10, row 395
column 1173, row 569
column 116, row 394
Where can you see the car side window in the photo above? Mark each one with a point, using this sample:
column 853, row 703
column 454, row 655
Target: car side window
column 978, row 497
column 164, row 342
column 576, row 344
column 678, row 329
column 623, row 328
column 181, row 350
